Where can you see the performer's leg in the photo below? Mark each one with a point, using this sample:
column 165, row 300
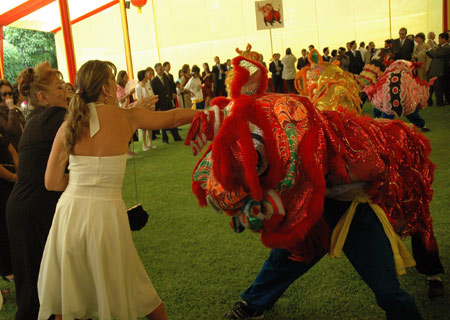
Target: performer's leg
column 417, row 120
column 376, row 113
column 368, row 249
column 200, row 105
column 278, row 271
column 276, row 275
column 429, row 264
column 386, row 116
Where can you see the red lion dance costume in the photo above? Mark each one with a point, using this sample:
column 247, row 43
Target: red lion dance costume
column 398, row 91
column 273, row 158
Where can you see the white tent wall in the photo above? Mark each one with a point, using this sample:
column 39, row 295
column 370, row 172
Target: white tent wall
column 194, row 31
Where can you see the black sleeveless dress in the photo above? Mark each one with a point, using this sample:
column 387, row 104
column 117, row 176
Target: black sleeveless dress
column 31, row 207
column 5, row 190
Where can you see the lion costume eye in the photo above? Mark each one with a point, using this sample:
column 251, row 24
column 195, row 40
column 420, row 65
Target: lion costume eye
column 258, row 143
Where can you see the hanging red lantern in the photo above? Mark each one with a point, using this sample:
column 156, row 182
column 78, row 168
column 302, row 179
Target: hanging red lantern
column 139, row 4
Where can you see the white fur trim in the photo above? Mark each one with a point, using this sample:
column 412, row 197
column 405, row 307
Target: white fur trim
column 216, row 119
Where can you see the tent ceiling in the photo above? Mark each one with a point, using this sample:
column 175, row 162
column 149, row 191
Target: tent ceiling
column 47, row 18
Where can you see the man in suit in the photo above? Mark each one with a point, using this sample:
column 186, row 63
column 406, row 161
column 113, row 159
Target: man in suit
column 276, row 67
column 326, row 55
column 166, row 67
column 161, row 86
column 403, row 47
column 218, row 71
column 356, row 62
column 303, row 60
column 228, row 65
column 439, row 67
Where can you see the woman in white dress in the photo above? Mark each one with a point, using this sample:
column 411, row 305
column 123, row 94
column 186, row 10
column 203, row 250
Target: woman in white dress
column 143, row 90
column 90, row 266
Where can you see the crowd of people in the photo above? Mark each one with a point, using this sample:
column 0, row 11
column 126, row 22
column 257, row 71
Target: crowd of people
column 432, row 56
column 43, row 141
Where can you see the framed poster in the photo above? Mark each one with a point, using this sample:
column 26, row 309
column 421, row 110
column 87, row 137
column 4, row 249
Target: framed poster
column 269, row 14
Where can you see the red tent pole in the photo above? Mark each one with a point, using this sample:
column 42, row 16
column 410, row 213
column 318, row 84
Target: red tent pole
column 68, row 41
column 2, row 65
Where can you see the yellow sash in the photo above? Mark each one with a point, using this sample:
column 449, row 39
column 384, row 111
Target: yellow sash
column 194, row 103
column 402, row 258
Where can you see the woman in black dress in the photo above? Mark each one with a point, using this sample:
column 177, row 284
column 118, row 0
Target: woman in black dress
column 8, row 165
column 31, row 207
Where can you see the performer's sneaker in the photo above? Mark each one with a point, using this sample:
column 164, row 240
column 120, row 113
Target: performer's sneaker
column 242, row 311
column 435, row 289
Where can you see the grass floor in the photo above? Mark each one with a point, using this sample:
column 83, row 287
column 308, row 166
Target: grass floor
column 199, row 265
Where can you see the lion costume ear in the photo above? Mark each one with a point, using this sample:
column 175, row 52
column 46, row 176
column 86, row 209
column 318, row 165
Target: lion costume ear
column 248, row 78
column 314, row 57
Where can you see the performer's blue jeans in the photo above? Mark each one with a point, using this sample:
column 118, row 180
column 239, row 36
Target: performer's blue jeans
column 414, row 117
column 368, row 250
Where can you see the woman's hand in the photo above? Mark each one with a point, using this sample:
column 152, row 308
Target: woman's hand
column 146, row 103
column 10, row 103
column 13, row 177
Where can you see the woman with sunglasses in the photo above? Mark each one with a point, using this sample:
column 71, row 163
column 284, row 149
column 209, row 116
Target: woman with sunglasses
column 11, row 119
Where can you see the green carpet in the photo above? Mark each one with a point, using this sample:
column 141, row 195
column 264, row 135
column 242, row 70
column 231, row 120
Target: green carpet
column 199, row 265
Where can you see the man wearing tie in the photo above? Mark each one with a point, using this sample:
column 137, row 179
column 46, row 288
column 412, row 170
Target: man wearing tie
column 166, row 67
column 276, row 67
column 161, row 87
column 403, row 47
column 218, row 71
column 356, row 63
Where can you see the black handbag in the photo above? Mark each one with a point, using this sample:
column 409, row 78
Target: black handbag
column 137, row 216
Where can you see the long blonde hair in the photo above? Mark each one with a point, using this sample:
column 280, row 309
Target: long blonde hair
column 88, row 84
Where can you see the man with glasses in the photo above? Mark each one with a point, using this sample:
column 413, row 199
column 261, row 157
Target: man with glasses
column 403, row 47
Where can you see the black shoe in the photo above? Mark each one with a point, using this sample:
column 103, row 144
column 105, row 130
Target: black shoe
column 178, row 139
column 242, row 311
column 435, row 289
column 166, row 142
column 430, row 103
column 425, row 129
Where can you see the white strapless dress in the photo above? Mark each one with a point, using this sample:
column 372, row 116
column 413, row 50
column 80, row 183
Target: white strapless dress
column 90, row 265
